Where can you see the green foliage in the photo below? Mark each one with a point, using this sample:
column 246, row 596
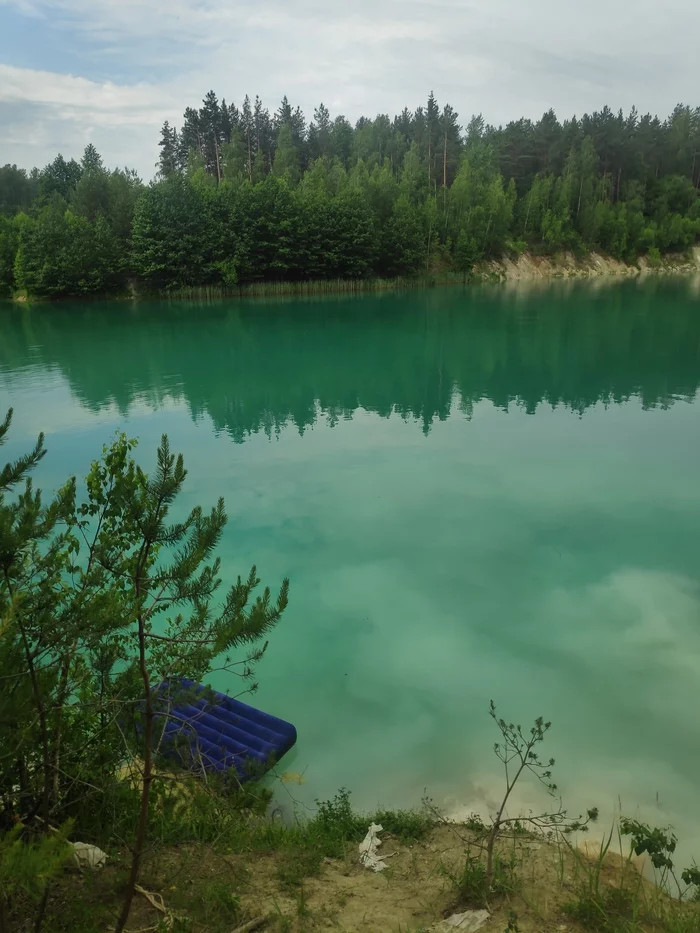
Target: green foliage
column 266, row 242
column 335, row 822
column 74, row 240
column 406, row 825
column 99, row 603
column 219, row 904
column 327, row 835
column 608, row 910
column 63, row 254
column 654, row 257
column 474, row 887
column 628, row 903
column 466, row 253
column 9, row 238
column 286, row 164
column 691, row 877
column 336, row 829
column 658, row 844
column 245, row 198
column 299, row 860
column 171, row 236
column 475, row 824
column 59, row 178
column 28, row 862
column 518, row 753
column 17, row 190
column 482, row 207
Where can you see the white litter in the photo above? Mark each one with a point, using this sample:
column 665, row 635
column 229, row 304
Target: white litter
column 369, row 856
column 87, row 856
column 468, row 922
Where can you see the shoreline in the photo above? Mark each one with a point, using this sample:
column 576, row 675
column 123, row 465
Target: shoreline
column 285, row 880
column 528, row 267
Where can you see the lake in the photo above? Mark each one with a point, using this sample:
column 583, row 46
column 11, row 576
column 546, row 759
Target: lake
column 476, row 493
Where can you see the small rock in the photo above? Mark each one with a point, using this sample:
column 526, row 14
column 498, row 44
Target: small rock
column 468, row 922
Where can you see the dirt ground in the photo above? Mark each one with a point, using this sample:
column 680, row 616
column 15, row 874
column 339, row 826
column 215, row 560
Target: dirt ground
column 414, row 894
column 529, row 268
column 203, row 888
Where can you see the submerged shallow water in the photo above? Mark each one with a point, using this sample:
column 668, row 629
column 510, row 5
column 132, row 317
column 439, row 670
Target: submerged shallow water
column 476, row 494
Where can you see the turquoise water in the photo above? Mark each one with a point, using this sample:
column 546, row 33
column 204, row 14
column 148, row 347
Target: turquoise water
column 476, row 494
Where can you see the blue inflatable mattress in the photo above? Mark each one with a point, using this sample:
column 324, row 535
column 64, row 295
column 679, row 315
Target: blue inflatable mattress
column 206, row 729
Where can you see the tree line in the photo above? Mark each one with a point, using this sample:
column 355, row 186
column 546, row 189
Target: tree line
column 243, row 196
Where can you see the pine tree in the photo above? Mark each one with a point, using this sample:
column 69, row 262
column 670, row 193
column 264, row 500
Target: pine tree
column 166, row 565
column 284, row 114
column 212, row 133
column 91, row 160
column 320, row 142
column 169, row 159
column 451, row 141
column 404, row 123
column 17, row 190
column 297, row 123
column 341, row 138
column 90, row 196
column 547, row 133
column 298, row 126
column 226, row 122
column 630, row 181
column 475, row 130
column 81, row 589
column 264, row 134
column 286, row 163
column 248, row 127
column 59, row 177
column 432, row 128
column 191, row 138
column 30, row 614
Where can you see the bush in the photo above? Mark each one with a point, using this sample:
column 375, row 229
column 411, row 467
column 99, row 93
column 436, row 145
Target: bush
column 654, row 257
column 406, row 825
column 607, row 911
column 335, row 829
column 473, row 886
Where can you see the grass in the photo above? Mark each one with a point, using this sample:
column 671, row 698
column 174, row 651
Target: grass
column 470, row 883
column 606, row 894
column 203, row 838
column 218, row 860
column 314, row 287
column 623, row 900
column 220, row 904
column 336, row 829
column 615, row 909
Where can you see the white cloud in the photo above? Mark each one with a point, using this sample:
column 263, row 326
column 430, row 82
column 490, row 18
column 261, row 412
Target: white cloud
column 74, row 97
column 653, row 617
column 503, row 58
column 43, row 113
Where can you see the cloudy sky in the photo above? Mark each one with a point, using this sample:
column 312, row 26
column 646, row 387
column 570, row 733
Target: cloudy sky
column 110, row 71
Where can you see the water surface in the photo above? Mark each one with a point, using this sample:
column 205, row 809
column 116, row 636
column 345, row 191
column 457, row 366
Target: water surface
column 476, row 494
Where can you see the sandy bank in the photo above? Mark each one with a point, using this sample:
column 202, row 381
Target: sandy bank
column 529, row 268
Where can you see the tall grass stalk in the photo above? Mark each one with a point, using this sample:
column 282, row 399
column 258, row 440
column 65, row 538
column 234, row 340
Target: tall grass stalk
column 311, row 287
